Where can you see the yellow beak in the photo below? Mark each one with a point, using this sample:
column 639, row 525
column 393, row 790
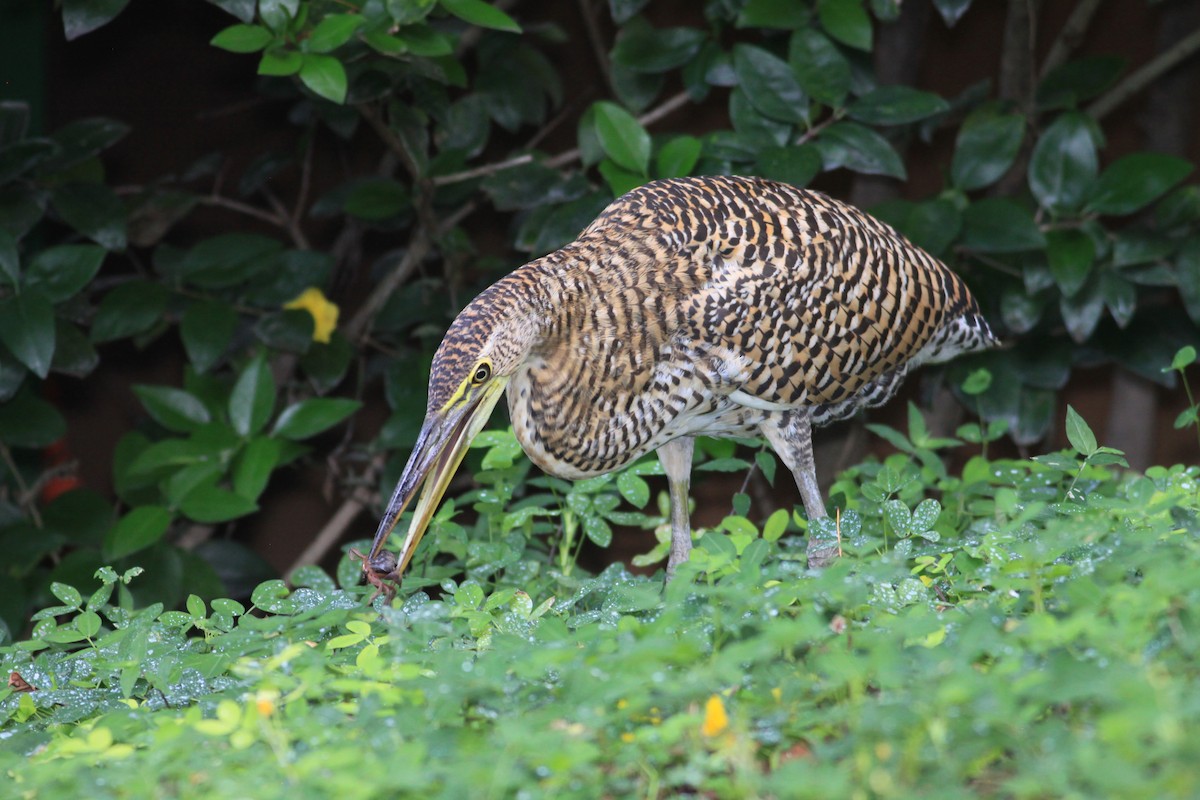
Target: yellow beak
column 440, row 447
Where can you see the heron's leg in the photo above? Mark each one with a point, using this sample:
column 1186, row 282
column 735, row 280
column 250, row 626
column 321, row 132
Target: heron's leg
column 790, row 435
column 676, row 458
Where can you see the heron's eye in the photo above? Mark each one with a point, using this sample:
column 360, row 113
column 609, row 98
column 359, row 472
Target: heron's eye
column 482, row 373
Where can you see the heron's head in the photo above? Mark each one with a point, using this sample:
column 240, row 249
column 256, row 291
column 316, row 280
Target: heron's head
column 485, row 346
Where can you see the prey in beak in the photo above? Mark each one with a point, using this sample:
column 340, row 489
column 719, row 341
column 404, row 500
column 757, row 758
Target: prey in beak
column 443, row 441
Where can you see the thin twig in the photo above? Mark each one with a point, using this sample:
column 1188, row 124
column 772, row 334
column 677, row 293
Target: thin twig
column 334, row 529
column 1143, row 77
column 289, row 221
column 305, row 179
column 25, row 500
column 244, row 208
column 597, row 42
column 482, row 171
column 1071, row 35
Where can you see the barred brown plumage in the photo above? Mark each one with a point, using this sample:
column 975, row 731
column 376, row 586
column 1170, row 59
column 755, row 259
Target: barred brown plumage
column 719, row 306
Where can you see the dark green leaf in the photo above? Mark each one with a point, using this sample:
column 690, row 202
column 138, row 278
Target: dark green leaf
column 174, row 409
column 1000, row 225
column 333, row 31
column 1079, row 434
column 530, row 185
column 482, row 14
column 1063, row 166
column 206, row 329
column 795, row 165
column 61, row 271
column 635, row 490
column 678, row 156
column 74, row 354
column 1136, row 180
column 326, row 364
column 254, row 465
column 778, row 14
column 643, row 48
column 846, row 21
column 406, row 12
column 1120, row 296
column 1020, row 310
column 222, row 261
column 253, row 397
column 81, row 515
column 211, row 504
column 128, row 310
column 310, row 417
column 279, row 62
column 279, row 14
column 858, row 148
column 1187, row 276
column 769, row 84
column 623, row 10
column 987, row 146
column 93, row 210
column 1081, row 313
column 137, row 530
column 1184, row 357
column 83, row 139
column 597, row 530
column 10, row 260
column 932, row 225
column 85, row 16
column 29, row 421
column 1071, row 255
column 242, row 38
column 289, row 331
column 619, row 179
column 377, row 199
column 821, row 69
column 896, row 105
column 324, row 76
column 622, row 137
column 242, row 9
column 1076, row 81
column 27, row 329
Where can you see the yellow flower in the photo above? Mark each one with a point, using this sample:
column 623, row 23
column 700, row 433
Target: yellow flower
column 715, row 718
column 324, row 313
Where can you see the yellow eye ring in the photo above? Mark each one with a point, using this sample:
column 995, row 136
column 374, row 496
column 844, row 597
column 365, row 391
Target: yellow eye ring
column 482, row 373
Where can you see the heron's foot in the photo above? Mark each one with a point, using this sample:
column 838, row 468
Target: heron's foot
column 821, row 554
column 381, row 573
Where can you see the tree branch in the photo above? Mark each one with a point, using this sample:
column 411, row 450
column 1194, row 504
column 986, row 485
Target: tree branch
column 671, row 104
column 1149, row 72
column 1071, row 35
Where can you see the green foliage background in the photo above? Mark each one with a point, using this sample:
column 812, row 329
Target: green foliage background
column 1017, row 628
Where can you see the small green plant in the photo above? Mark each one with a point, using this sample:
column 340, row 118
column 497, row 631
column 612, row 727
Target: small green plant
column 1190, row 416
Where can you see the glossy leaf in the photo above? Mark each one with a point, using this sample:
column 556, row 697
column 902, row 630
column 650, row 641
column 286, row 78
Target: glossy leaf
column 1187, row 277
column 1071, row 255
column 677, row 157
column 85, row 16
column 858, row 148
column 987, row 145
column 1136, row 180
column 10, row 259
column 896, row 105
column 174, row 409
column 137, row 530
column 324, row 76
column 482, row 14
column 642, row 48
column 1072, row 83
column 1081, row 313
column 74, row 354
column 59, row 272
column 795, row 165
column 253, row 397
column 932, row 225
column 333, row 31
column 310, row 417
column 280, row 62
column 211, row 504
column 93, row 210
column 242, row 38
column 129, row 309
column 206, row 330
column 769, row 84
column 27, row 420
column 622, row 137
column 1000, row 225
column 634, row 489
column 27, row 330
column 1063, row 165
column 254, row 465
column 1079, row 434
column 952, row 10
column 821, row 69
column 846, row 21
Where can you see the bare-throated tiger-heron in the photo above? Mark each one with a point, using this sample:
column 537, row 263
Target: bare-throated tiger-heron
column 716, row 306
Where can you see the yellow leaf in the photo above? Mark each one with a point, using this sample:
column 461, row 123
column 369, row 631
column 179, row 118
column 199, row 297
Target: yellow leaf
column 324, row 313
column 715, row 718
